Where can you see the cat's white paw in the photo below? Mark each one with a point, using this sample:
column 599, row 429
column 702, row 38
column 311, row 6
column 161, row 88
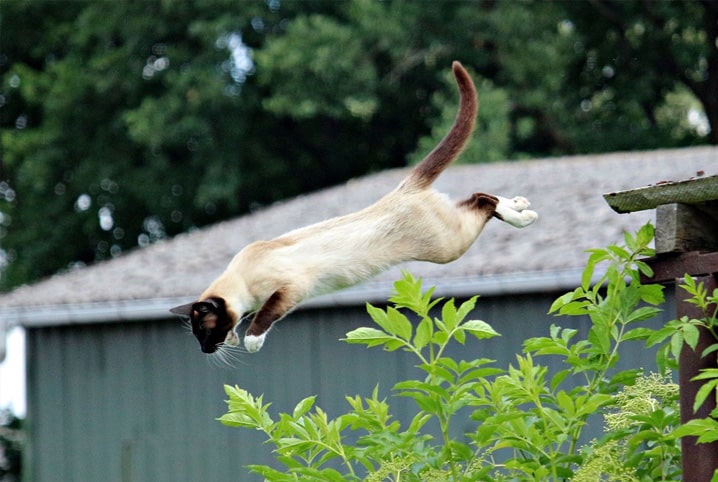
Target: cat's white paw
column 519, row 203
column 254, row 343
column 232, row 339
column 526, row 217
column 514, row 211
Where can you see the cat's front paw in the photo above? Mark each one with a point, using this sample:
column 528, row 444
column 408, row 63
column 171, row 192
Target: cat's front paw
column 514, row 211
column 232, row 339
column 254, row 343
column 519, row 203
column 526, row 217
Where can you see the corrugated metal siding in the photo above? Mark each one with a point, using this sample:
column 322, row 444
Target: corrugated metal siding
column 138, row 401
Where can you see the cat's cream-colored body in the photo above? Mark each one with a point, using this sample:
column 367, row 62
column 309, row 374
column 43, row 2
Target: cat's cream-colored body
column 343, row 251
column 412, row 222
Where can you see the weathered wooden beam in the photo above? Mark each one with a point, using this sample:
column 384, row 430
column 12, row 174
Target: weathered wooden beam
column 689, row 191
column 667, row 268
column 681, row 228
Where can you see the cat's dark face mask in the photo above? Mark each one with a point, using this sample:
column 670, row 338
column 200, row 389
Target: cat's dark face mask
column 210, row 322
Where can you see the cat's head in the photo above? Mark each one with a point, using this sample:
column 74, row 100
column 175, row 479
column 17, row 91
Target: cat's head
column 212, row 322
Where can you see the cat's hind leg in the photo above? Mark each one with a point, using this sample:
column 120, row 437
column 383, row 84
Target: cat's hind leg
column 515, row 211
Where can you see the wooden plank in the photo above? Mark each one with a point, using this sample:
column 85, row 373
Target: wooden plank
column 689, row 191
column 669, row 267
column 681, row 228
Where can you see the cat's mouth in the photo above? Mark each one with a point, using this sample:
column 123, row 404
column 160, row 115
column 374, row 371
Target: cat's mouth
column 212, row 342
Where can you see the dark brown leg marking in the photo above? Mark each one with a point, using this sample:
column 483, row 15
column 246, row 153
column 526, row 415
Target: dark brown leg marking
column 481, row 202
column 272, row 310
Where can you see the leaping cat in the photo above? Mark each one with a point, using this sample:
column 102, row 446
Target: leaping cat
column 412, row 222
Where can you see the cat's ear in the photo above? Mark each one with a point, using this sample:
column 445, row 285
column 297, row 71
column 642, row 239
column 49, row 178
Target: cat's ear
column 183, row 310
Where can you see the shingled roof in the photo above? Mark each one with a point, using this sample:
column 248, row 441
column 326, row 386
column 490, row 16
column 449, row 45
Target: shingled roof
column 549, row 255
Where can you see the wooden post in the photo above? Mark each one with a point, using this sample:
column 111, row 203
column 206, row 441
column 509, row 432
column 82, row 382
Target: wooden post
column 699, row 460
column 686, row 243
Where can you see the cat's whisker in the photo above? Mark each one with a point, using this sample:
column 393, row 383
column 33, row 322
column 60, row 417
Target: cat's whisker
column 186, row 325
column 227, row 356
column 217, row 360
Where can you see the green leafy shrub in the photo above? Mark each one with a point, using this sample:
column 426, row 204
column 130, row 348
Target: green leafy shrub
column 528, row 422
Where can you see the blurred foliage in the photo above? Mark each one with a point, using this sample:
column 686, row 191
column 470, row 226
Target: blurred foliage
column 11, row 443
column 123, row 123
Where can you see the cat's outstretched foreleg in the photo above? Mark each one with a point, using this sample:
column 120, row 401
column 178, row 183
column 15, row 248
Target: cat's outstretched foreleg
column 515, row 211
column 275, row 308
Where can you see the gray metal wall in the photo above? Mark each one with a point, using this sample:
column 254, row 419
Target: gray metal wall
column 138, row 401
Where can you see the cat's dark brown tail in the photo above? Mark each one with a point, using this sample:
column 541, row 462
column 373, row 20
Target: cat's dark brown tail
column 426, row 172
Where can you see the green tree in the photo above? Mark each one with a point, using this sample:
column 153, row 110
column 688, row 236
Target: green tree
column 121, row 128
column 630, row 57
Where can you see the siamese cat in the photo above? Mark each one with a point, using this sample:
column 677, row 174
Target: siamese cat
column 412, row 222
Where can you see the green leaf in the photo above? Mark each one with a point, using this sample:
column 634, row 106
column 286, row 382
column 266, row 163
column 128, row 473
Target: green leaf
column 303, row 407
column 645, row 269
column 600, row 336
column 704, row 391
column 587, row 276
column 643, row 313
column 565, row 299
column 620, row 252
column 439, row 371
column 480, row 329
column 691, row 335
column 237, row 419
column 408, row 294
column 677, row 345
column 637, row 334
column 709, row 350
column 440, row 338
column 661, row 334
column 706, row 374
column 423, row 333
column 398, row 324
column 645, row 235
column 271, row 474
column 419, row 420
column 558, row 378
column 379, row 316
column 706, row 429
column 466, row 308
column 652, row 294
column 460, row 336
column 448, row 315
column 370, row 337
